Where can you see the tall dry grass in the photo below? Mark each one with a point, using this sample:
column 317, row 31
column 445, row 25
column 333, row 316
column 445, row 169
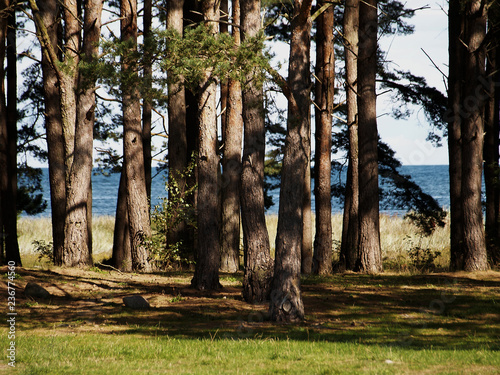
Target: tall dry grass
column 397, row 237
column 40, row 229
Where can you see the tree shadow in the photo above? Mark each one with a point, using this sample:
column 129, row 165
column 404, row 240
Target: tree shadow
column 442, row 311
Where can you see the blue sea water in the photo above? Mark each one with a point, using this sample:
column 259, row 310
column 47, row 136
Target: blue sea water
column 433, row 179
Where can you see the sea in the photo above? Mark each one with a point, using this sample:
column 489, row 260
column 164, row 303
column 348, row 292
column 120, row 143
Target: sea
column 433, row 179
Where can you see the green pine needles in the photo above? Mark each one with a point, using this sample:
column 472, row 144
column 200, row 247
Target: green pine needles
column 181, row 58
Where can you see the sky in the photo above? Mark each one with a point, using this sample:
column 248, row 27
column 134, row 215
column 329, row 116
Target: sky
column 408, row 137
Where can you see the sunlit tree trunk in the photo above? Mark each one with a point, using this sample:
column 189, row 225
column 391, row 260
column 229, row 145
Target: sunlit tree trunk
column 78, row 199
column 231, row 164
column 45, row 14
column 258, row 262
column 137, row 200
column 206, row 276
column 177, row 142
column 474, row 100
column 350, row 227
column 286, row 300
column 325, row 85
column 370, row 255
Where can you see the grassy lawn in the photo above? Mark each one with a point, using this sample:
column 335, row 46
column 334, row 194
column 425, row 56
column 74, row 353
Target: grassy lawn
column 387, row 324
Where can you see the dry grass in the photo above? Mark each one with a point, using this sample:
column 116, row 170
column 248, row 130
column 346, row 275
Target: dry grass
column 398, row 236
column 40, row 229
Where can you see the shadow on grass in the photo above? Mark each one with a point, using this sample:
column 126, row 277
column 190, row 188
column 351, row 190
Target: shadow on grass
column 421, row 311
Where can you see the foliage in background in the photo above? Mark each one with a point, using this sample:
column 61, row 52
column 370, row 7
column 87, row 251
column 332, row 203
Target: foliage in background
column 173, row 210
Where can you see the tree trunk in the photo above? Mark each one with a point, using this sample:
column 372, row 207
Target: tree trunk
column 206, row 276
column 491, row 146
column 177, row 142
column 286, row 301
column 350, row 227
column 9, row 136
column 147, row 106
column 4, row 175
column 122, row 257
column 231, row 165
column 258, row 263
column 370, row 257
column 306, row 263
column 46, row 21
column 137, row 200
column 78, row 250
column 192, row 15
column 455, row 30
column 325, row 85
column 474, row 99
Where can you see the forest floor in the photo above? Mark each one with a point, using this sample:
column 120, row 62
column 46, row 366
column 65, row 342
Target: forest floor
column 389, row 323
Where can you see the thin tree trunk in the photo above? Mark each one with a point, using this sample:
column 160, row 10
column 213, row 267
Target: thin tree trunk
column 474, row 99
column 137, row 201
column 9, row 211
column 455, row 29
column 370, row 256
column 206, row 276
column 231, row 165
column 192, row 15
column 147, row 106
column 350, row 227
column 177, row 142
column 258, row 263
column 4, row 154
column 286, row 300
column 122, row 256
column 325, row 85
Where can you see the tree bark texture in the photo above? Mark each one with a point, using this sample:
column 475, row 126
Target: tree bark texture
column 78, row 196
column 286, row 301
column 177, row 142
column 258, row 263
column 231, row 165
column 9, row 135
column 370, row 257
column 147, row 105
column 474, row 100
column 4, row 175
column 137, row 202
column 491, row 143
column 206, row 276
column 122, row 256
column 455, row 31
column 325, row 85
column 350, row 228
column 45, row 14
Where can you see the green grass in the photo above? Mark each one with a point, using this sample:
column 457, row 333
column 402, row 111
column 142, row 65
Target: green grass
column 366, row 324
column 157, row 354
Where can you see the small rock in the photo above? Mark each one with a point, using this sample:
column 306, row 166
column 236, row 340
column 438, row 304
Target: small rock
column 35, row 291
column 389, row 362
column 136, row 302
